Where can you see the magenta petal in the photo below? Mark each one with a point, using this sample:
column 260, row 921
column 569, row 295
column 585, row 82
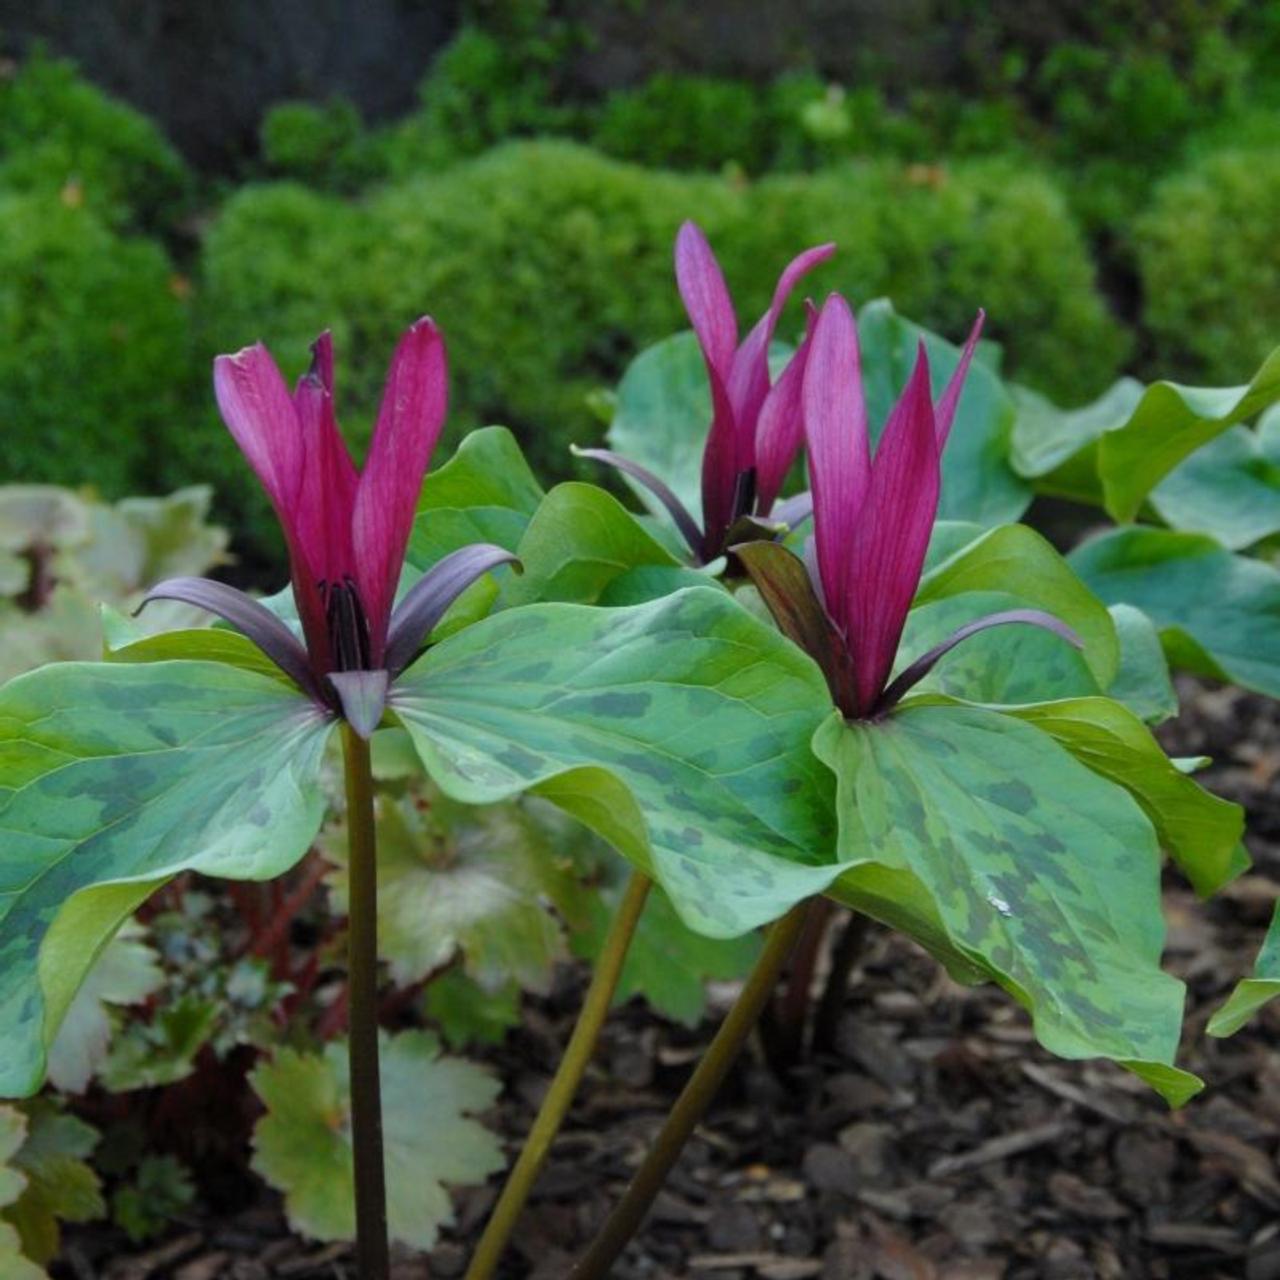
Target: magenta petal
column 748, row 381
column 409, row 421
column 835, row 428
column 706, row 299
column 329, row 476
column 719, row 470
column 892, row 535
column 779, row 430
column 945, row 413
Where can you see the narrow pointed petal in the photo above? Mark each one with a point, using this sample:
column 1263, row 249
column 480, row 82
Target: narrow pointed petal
column 427, row 601
column 706, row 299
column 719, row 471
column 363, row 696
column 328, row 489
column 835, row 428
column 248, row 616
column 892, row 534
column 748, row 382
column 679, row 513
column 927, row 661
column 945, row 414
column 408, row 426
column 779, row 431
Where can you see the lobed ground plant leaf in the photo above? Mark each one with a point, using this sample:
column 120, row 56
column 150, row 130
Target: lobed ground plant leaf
column 13, row 1132
column 1252, row 993
column 114, row 777
column 988, row 841
column 302, row 1146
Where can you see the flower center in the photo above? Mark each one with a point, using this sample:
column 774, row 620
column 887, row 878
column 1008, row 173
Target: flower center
column 347, row 625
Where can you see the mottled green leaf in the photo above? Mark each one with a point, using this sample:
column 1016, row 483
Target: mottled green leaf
column 1021, row 565
column 978, row 483
column 1218, row 614
column 1200, row 831
column 114, row 777
column 1251, row 994
column 679, row 730
column 127, row 972
column 1229, row 489
column 201, row 644
column 302, row 1146
column 462, row 879
column 1142, row 682
column 484, row 493
column 1043, row 874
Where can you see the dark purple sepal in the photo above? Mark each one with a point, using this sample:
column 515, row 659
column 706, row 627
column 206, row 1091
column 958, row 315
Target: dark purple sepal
column 363, row 698
column 921, row 667
column 754, row 529
column 249, row 617
column 793, row 511
column 785, row 587
column 427, row 601
column 687, row 525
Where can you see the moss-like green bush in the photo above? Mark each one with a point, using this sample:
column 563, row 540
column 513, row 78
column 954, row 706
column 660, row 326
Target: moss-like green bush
column 549, row 266
column 1210, row 273
column 93, row 348
column 61, row 135
column 322, row 144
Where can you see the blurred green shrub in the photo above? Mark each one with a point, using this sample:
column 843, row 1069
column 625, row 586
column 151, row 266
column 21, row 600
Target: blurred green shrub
column 60, row 135
column 322, row 144
column 94, row 353
column 548, row 266
column 1210, row 272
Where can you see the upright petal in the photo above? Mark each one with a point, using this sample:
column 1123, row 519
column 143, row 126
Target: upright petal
column 329, row 476
column 892, row 534
column 835, row 428
column 945, row 413
column 748, row 382
column 719, row 470
column 706, row 299
column 780, row 424
column 408, row 426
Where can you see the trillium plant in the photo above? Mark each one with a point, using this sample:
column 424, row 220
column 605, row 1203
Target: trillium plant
column 849, row 724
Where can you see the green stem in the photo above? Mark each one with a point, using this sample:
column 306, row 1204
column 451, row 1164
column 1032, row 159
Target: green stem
column 555, row 1105
column 362, row 982
column 630, row 1211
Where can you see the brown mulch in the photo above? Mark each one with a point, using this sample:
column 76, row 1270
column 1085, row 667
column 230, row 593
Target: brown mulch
column 937, row 1142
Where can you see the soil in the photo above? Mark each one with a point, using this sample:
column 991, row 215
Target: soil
column 936, row 1141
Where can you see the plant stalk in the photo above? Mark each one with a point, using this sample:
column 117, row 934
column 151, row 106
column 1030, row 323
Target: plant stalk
column 849, row 948
column 537, row 1147
column 702, row 1086
column 372, row 1261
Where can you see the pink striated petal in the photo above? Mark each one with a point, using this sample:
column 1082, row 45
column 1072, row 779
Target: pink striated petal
column 835, row 428
column 748, row 381
column 719, row 471
column 945, row 412
column 706, row 299
column 892, row 536
column 409, row 420
column 779, row 430
column 329, row 476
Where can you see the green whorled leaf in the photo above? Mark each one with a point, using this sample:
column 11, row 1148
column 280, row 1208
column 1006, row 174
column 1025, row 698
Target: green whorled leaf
column 114, row 777
column 667, row 964
column 1017, row 562
column 945, row 539
column 978, row 483
column 127, row 972
column 1043, row 875
column 1218, row 614
column 200, row 644
column 484, row 493
column 468, row 1014
column 1252, row 993
column 1200, row 831
column 1229, row 489
column 457, row 879
column 1142, row 682
column 579, row 542
column 679, row 730
column 651, row 582
column 302, row 1146
column 1133, row 436
column 60, row 1185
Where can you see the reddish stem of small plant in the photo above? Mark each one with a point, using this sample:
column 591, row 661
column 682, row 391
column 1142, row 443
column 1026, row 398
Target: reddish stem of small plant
column 275, row 933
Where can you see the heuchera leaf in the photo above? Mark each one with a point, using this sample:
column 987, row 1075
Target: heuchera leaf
column 302, row 1146
column 13, row 1132
column 1216, row 612
column 114, row 777
column 679, row 730
column 468, row 1014
column 1043, row 875
column 1252, row 993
